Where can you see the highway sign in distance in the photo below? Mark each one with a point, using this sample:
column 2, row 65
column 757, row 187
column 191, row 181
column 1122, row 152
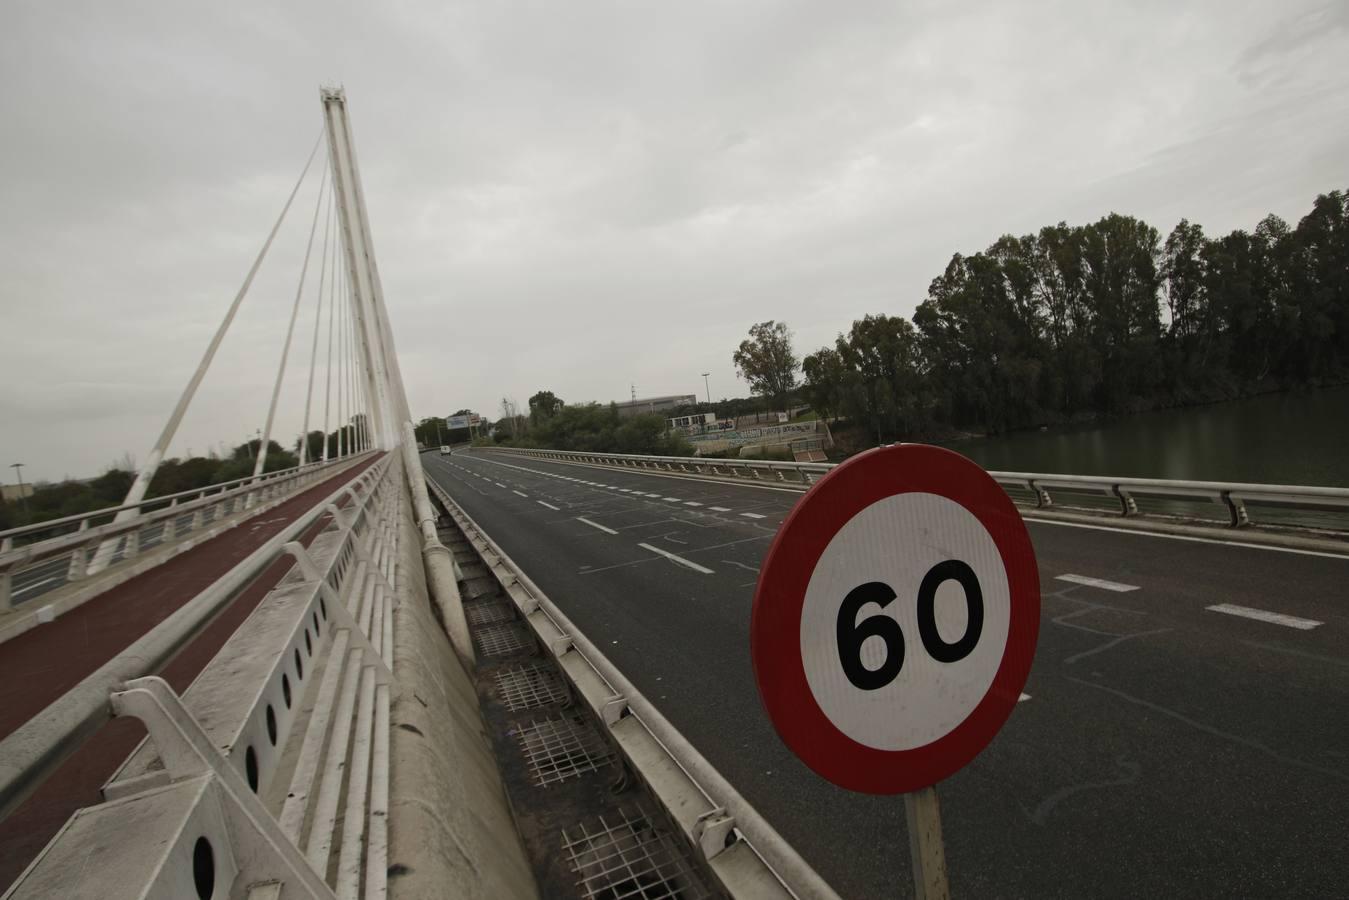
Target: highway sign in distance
column 895, row 619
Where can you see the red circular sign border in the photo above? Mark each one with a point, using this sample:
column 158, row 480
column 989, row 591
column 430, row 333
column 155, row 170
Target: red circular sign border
column 780, row 596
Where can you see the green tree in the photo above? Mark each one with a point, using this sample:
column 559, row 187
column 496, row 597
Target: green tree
column 766, row 360
column 543, row 406
column 883, row 379
column 823, row 374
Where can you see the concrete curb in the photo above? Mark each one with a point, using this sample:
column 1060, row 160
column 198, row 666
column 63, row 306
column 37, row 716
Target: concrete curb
column 1249, row 536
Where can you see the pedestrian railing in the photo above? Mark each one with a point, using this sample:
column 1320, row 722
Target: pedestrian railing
column 269, row 775
column 37, row 559
column 1039, row 490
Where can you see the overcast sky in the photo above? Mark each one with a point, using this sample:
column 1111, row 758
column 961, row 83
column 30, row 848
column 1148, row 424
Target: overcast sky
column 582, row 196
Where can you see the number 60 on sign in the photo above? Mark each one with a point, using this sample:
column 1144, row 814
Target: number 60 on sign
column 895, row 619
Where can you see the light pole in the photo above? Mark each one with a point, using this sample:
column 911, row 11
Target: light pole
column 706, row 388
column 18, row 473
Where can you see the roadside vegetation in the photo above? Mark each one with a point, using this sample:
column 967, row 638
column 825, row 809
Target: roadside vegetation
column 1080, row 322
column 56, row 500
column 1071, row 323
column 589, row 427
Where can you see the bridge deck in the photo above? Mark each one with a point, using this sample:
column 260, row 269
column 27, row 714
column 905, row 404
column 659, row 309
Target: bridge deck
column 39, row 666
column 1183, row 732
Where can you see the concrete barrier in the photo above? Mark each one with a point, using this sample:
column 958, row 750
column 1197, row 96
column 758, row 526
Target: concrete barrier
column 451, row 830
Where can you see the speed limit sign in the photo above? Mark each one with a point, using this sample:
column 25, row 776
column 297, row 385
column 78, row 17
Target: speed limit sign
column 895, row 619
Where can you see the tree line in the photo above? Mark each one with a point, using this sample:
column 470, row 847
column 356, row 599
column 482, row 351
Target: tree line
column 1075, row 322
column 587, row 427
column 72, row 497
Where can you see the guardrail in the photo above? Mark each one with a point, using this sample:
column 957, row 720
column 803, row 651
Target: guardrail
column 745, row 853
column 32, row 565
column 199, row 801
column 1234, row 498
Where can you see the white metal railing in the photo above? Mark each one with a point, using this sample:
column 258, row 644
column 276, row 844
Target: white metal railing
column 1233, row 497
column 309, row 668
column 745, row 853
column 39, row 558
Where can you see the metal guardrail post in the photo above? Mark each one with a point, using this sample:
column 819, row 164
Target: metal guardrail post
column 1236, row 510
column 1042, row 498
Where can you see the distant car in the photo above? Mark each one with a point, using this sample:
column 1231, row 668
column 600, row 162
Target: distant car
column 444, row 450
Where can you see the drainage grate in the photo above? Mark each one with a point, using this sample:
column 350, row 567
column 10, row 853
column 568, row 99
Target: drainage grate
column 629, row 859
column 500, row 640
column 529, row 687
column 558, row 749
column 487, row 613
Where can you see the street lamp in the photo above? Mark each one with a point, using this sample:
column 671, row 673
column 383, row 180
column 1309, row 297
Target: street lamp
column 708, row 389
column 18, row 473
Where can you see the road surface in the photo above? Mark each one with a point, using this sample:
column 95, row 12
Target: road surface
column 1164, row 748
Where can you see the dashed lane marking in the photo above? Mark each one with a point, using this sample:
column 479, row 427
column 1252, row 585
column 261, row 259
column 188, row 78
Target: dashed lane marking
column 549, row 505
column 692, row 503
column 677, row 559
column 1261, row 615
column 671, row 499
column 719, row 509
column 498, row 484
column 596, row 525
column 753, row 516
column 520, row 494
column 1098, row 583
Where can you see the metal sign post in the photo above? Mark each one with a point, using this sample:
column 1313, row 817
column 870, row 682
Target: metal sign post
column 927, row 852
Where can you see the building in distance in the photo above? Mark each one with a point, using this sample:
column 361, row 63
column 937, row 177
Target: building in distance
column 639, row 405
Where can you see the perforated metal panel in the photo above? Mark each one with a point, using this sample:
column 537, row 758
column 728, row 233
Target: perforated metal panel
column 488, row 613
column 627, row 858
column 561, row 748
column 530, row 687
column 500, row 640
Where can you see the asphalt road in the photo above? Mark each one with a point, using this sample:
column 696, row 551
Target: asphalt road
column 1165, row 749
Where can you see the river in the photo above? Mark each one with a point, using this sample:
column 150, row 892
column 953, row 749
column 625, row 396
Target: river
column 1295, row 438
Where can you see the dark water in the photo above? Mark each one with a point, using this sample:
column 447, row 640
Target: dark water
column 1300, row 438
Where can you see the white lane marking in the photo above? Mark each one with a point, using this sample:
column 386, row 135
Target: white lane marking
column 498, row 484
column 596, row 525
column 1098, row 583
column 1261, row 615
column 657, row 496
column 626, row 490
column 549, row 505
column 671, row 499
column 752, row 516
column 520, row 494
column 1031, row 517
column 719, row 509
column 1023, row 697
column 679, row 559
column 692, row 503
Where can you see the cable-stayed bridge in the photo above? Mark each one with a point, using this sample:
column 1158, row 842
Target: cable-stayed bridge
column 525, row 673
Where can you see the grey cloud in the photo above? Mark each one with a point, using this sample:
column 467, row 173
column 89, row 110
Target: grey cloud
column 581, row 196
